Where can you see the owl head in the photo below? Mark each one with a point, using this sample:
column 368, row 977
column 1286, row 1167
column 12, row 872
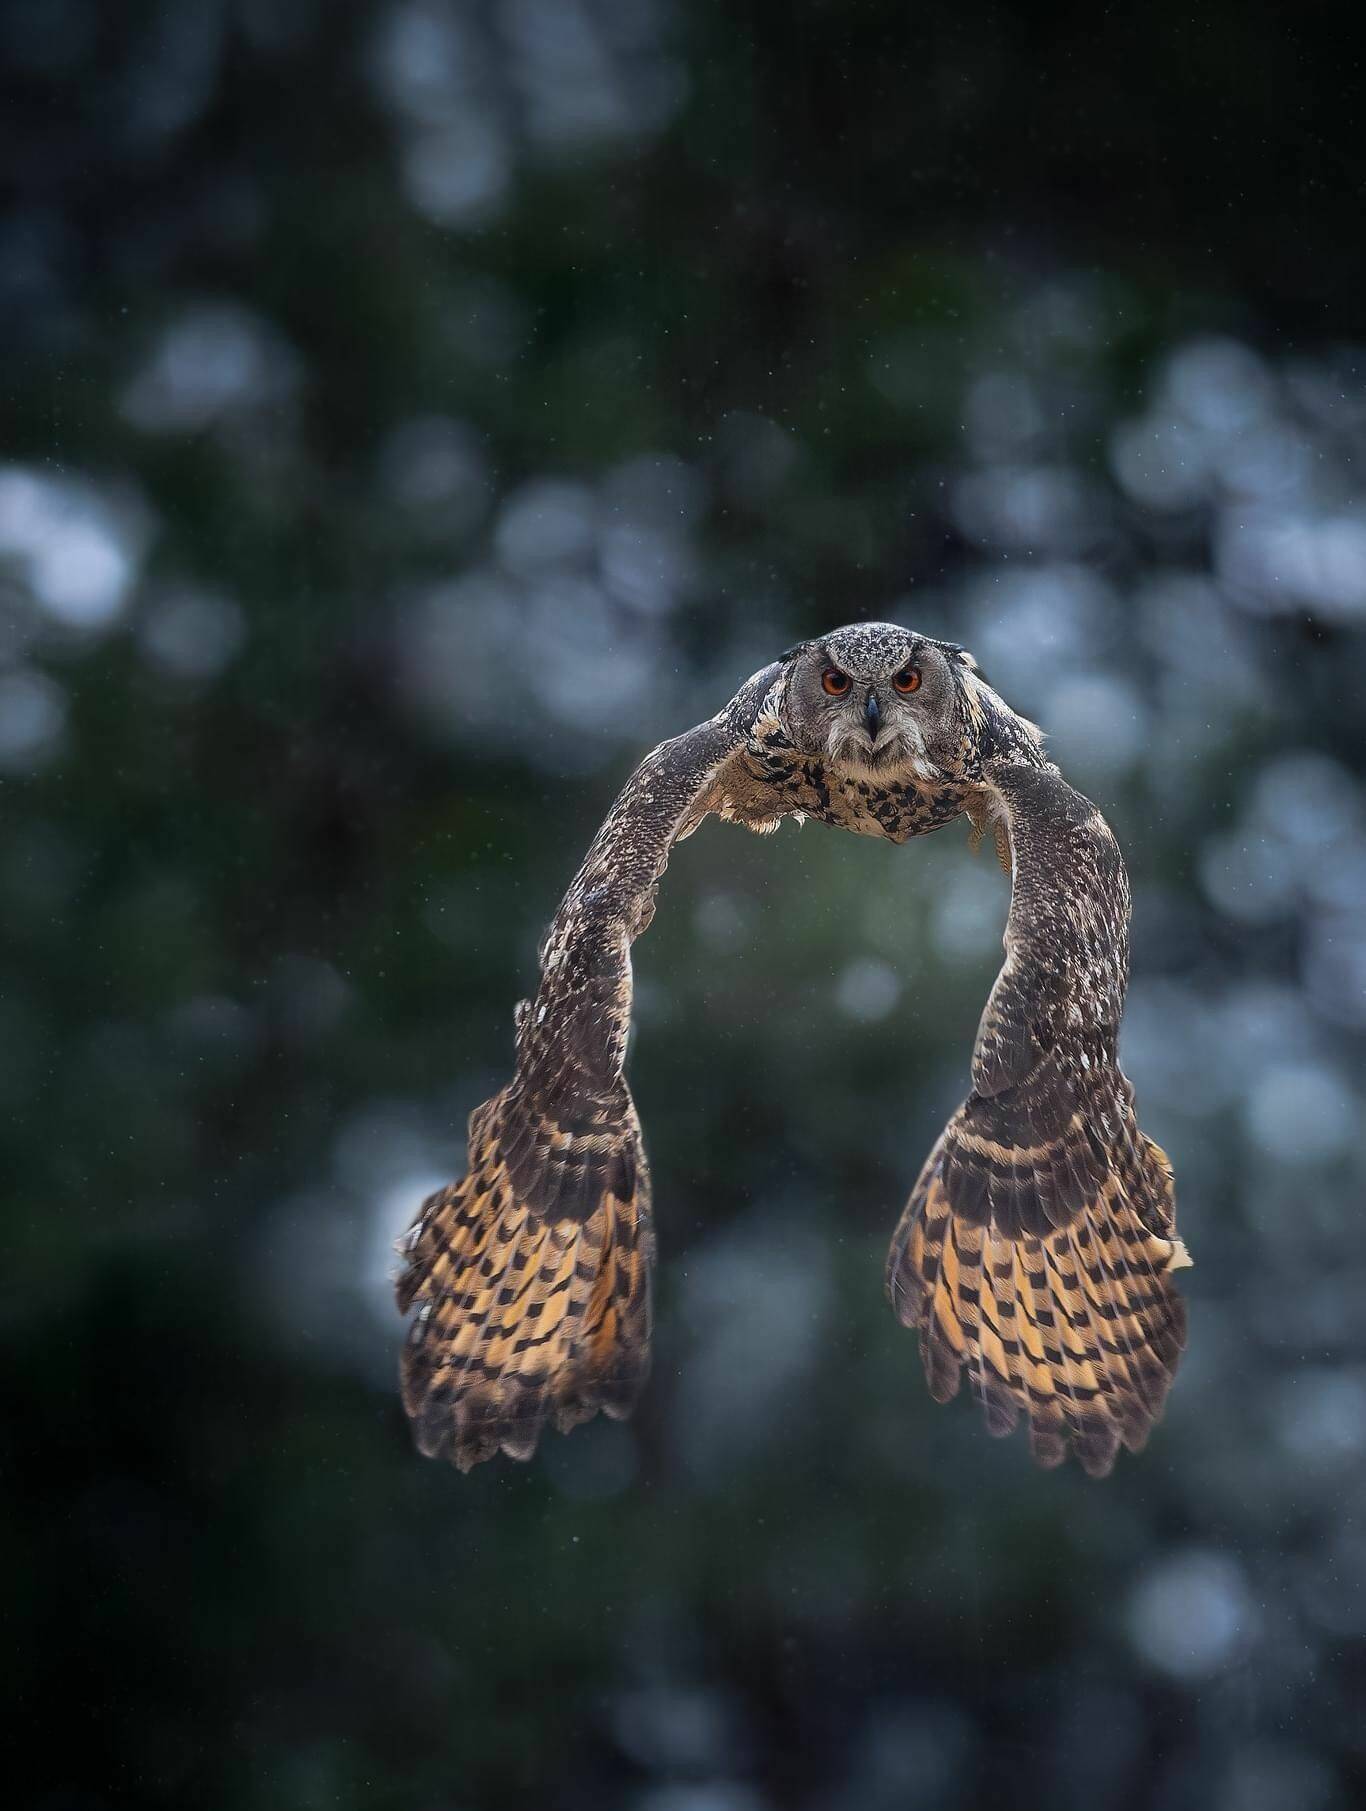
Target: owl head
column 879, row 699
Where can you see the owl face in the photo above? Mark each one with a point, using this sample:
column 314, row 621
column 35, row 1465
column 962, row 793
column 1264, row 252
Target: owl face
column 874, row 698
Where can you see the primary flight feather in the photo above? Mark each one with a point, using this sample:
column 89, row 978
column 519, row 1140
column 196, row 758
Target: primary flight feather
column 1037, row 1248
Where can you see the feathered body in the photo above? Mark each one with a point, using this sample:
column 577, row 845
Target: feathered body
column 1036, row 1248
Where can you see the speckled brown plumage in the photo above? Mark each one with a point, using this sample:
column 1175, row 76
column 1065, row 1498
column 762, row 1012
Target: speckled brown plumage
column 1036, row 1248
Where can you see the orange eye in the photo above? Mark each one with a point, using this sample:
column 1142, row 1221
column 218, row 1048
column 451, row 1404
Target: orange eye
column 908, row 680
column 836, row 683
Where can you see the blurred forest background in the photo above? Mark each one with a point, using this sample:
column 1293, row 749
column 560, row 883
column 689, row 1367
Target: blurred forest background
column 415, row 409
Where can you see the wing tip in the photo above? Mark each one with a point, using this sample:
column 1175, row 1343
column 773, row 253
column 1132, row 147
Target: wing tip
column 523, row 1322
column 1081, row 1339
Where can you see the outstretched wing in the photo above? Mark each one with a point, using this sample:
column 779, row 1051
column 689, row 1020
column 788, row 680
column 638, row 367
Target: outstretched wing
column 1037, row 1244
column 531, row 1276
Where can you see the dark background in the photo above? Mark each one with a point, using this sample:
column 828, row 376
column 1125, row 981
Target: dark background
column 412, row 412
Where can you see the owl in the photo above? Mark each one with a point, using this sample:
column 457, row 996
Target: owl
column 1037, row 1249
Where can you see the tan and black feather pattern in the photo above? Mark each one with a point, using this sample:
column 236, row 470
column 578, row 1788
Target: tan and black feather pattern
column 530, row 1278
column 1035, row 1252
column 528, row 1313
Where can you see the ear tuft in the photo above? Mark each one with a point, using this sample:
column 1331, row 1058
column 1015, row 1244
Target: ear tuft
column 959, row 654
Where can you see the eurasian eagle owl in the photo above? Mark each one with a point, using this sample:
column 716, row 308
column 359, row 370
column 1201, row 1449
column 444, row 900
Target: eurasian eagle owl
column 1037, row 1247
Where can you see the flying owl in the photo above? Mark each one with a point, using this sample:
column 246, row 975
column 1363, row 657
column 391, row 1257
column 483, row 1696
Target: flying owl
column 1037, row 1247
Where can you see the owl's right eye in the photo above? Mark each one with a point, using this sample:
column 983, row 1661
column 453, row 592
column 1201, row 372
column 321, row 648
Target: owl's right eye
column 835, row 682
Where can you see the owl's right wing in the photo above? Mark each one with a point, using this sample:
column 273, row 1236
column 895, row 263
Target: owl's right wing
column 1037, row 1246
column 531, row 1276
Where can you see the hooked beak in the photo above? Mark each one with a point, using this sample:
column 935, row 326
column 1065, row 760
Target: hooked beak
column 872, row 716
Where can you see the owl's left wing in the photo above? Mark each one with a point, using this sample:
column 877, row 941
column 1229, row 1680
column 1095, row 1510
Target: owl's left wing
column 531, row 1276
column 1037, row 1246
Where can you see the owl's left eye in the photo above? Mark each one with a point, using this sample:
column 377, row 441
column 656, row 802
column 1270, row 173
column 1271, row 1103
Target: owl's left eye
column 907, row 680
column 835, row 682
